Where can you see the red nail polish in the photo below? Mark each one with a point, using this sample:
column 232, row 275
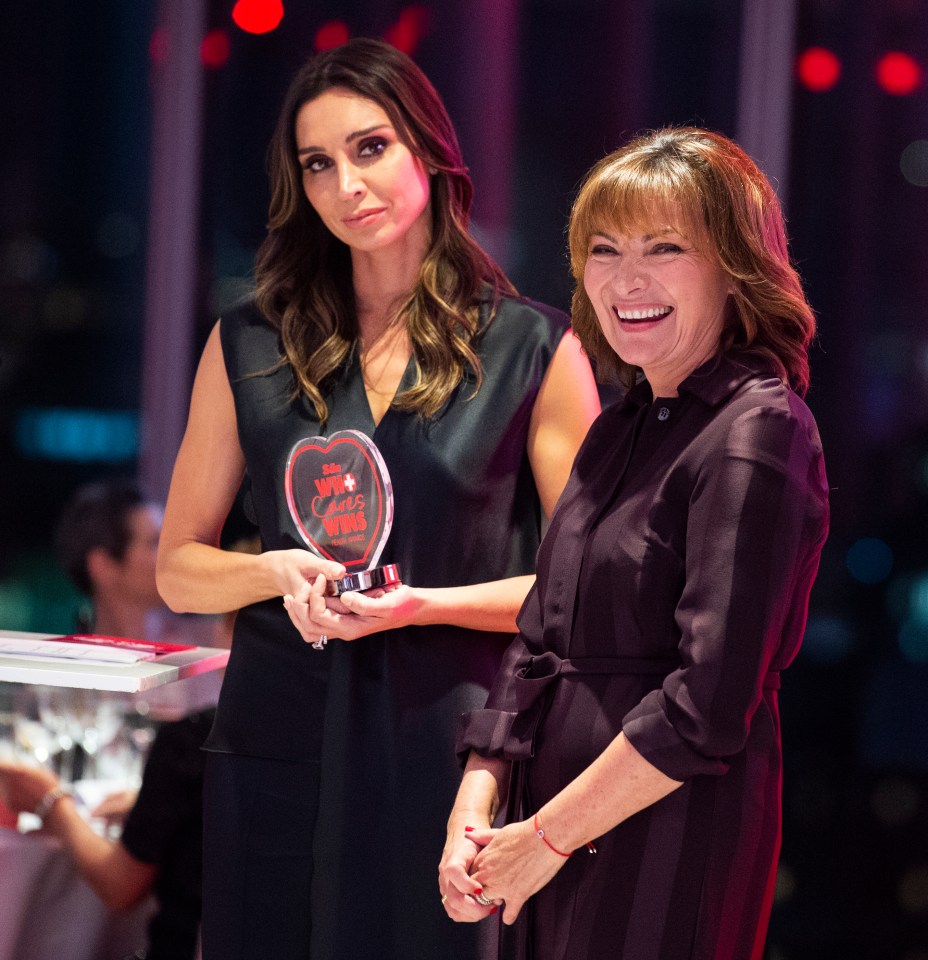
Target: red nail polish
column 478, row 892
column 495, row 910
column 468, row 829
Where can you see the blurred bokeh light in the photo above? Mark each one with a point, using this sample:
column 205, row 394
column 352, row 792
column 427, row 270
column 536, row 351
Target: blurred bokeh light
column 914, row 163
column 258, row 16
column 870, row 560
column 818, row 69
column 331, row 34
column 898, row 73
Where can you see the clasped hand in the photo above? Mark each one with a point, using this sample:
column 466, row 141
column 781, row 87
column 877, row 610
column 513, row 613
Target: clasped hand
column 352, row 615
column 505, row 865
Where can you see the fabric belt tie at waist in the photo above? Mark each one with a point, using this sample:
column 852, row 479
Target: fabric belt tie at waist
column 512, row 735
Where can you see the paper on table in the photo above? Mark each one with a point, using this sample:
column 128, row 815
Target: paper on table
column 125, row 643
column 29, row 647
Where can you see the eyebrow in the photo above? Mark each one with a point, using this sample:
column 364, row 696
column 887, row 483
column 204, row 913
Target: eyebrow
column 349, row 139
column 646, row 238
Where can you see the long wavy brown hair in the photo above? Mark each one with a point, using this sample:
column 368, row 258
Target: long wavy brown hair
column 303, row 273
column 711, row 191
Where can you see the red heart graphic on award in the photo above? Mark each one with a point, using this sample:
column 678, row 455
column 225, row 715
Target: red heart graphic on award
column 341, row 500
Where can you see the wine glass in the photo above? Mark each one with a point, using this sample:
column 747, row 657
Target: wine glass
column 51, row 707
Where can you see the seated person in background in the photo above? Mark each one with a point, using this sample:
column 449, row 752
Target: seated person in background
column 107, row 542
column 160, row 849
column 160, row 846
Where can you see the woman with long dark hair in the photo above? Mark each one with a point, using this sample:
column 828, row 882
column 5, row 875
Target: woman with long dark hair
column 330, row 770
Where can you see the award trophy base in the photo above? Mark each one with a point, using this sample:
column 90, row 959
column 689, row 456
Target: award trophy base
column 383, row 576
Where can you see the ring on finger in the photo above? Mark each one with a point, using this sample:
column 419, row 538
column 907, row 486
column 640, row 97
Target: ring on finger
column 482, row 900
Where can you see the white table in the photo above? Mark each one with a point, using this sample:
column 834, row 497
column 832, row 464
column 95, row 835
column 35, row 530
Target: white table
column 47, row 912
column 128, row 678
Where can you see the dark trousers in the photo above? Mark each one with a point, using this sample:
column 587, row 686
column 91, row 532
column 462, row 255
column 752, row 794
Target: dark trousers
column 259, row 817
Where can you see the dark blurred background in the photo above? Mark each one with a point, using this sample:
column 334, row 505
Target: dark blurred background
column 133, row 197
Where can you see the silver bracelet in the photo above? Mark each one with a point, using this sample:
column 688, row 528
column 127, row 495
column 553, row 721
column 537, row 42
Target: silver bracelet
column 44, row 806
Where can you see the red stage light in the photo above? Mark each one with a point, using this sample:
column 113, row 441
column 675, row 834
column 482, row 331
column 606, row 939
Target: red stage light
column 898, row 73
column 409, row 29
column 214, row 50
column 257, row 16
column 818, row 69
column 332, row 34
column 158, row 45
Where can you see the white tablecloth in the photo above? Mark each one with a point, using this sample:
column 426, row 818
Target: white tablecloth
column 47, row 912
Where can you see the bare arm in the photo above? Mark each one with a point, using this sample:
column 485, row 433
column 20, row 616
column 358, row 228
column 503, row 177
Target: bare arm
column 489, row 606
column 116, row 876
column 515, row 862
column 566, row 405
column 194, row 575
column 619, row 783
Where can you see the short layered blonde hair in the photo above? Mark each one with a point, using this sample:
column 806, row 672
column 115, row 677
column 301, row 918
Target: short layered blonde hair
column 709, row 190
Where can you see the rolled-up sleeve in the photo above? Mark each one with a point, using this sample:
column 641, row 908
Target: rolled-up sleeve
column 757, row 519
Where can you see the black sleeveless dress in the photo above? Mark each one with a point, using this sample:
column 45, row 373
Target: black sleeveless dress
column 379, row 714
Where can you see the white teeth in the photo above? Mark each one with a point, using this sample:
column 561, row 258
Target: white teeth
column 643, row 314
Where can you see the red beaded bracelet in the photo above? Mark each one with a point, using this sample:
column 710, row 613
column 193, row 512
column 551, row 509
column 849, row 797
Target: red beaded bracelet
column 539, row 832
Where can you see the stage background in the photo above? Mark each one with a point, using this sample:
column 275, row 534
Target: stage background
column 111, row 164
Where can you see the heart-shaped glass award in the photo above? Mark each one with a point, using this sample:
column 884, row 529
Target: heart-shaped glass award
column 341, row 500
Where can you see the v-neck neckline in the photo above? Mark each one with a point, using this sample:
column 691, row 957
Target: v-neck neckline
column 358, row 387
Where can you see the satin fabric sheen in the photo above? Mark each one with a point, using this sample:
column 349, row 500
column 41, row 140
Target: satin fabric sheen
column 378, row 714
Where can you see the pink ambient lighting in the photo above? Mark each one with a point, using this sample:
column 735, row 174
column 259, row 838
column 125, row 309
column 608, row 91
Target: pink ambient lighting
column 331, row 35
column 408, row 30
column 159, row 46
column 214, row 50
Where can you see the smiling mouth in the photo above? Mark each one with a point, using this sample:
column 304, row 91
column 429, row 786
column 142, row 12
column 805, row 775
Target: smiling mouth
column 644, row 315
